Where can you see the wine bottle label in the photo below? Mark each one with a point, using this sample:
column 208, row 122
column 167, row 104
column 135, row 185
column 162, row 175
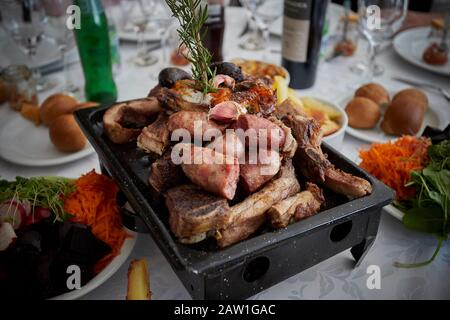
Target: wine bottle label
column 296, row 23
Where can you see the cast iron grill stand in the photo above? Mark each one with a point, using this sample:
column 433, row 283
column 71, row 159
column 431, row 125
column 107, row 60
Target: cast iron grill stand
column 259, row 262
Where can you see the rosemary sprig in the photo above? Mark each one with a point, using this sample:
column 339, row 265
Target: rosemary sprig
column 192, row 16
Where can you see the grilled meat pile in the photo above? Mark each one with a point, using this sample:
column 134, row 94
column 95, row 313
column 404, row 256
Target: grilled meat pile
column 226, row 160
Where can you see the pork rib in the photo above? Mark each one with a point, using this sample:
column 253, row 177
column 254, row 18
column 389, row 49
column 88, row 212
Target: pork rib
column 314, row 164
column 247, row 216
column 301, row 205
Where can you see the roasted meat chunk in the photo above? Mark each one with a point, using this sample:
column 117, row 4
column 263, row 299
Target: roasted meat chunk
column 314, row 164
column 228, row 144
column 124, row 121
column 192, row 120
column 254, row 175
column 155, row 137
column 211, row 170
column 164, row 174
column 247, row 216
column 259, row 130
column 193, row 212
column 297, row 207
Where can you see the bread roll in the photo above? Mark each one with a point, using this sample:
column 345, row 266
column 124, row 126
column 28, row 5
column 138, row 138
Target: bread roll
column 414, row 94
column 66, row 135
column 56, row 105
column 374, row 92
column 362, row 113
column 403, row 116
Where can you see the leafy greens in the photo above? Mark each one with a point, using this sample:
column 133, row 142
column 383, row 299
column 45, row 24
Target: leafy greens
column 45, row 192
column 429, row 211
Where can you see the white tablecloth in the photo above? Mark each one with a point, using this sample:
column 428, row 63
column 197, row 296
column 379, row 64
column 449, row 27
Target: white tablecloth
column 334, row 278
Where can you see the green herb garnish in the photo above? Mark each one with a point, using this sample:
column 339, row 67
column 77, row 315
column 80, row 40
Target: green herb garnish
column 45, row 192
column 192, row 16
column 429, row 210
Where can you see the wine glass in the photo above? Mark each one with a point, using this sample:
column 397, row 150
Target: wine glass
column 262, row 13
column 139, row 14
column 162, row 24
column 57, row 30
column 25, row 20
column 379, row 20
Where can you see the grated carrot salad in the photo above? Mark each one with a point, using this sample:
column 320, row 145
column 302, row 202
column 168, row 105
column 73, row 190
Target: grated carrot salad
column 94, row 204
column 392, row 162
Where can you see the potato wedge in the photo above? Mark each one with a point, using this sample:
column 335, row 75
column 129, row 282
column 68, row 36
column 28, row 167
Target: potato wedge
column 138, row 281
column 311, row 103
column 328, row 127
column 280, row 85
column 294, row 97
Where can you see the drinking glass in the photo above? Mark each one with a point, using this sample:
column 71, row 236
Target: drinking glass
column 379, row 20
column 262, row 13
column 139, row 14
column 57, row 30
column 25, row 20
column 162, row 23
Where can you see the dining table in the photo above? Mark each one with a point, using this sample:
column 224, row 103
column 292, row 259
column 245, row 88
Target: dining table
column 334, row 278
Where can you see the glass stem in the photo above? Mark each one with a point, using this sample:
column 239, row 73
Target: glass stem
column 164, row 41
column 67, row 80
column 371, row 62
column 142, row 44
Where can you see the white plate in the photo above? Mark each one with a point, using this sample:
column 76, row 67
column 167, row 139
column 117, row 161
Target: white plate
column 23, row 143
column 411, row 44
column 432, row 118
column 393, row 211
column 106, row 273
column 46, row 54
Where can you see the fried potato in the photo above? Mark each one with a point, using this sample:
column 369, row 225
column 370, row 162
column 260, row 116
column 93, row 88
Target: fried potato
column 328, row 127
column 294, row 97
column 281, row 86
column 311, row 103
column 138, row 281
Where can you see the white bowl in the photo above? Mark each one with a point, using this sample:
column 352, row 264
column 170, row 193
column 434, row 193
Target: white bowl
column 335, row 139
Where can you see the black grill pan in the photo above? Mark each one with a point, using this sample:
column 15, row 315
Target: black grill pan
column 265, row 259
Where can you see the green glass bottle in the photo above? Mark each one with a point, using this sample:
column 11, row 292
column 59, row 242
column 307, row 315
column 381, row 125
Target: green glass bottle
column 94, row 50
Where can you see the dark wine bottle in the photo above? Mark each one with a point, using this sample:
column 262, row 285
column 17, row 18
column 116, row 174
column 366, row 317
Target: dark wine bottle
column 302, row 34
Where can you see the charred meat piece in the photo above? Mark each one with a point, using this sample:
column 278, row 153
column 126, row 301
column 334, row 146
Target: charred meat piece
column 169, row 76
column 211, row 170
column 301, row 205
column 256, row 95
column 265, row 165
column 247, row 216
column 345, row 183
column 193, row 211
column 155, row 137
column 288, row 107
column 257, row 128
column 313, row 162
column 164, row 174
column 189, row 119
column 229, row 69
column 124, row 121
column 290, row 144
column 228, row 144
column 181, row 97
